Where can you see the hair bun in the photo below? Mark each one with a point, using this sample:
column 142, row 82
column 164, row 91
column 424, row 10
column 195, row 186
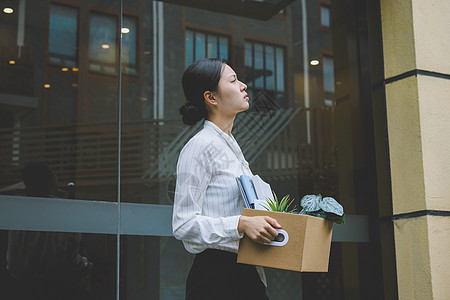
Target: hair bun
column 191, row 114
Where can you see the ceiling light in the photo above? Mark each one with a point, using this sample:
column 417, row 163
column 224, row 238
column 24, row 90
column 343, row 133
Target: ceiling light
column 105, row 46
column 64, row 69
column 8, row 10
column 47, row 86
column 12, row 62
column 125, row 30
column 314, row 62
column 75, row 69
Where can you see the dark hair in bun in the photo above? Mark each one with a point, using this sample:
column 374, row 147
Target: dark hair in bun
column 201, row 76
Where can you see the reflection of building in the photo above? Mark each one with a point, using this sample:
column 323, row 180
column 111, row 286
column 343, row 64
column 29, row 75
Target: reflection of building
column 77, row 82
column 314, row 71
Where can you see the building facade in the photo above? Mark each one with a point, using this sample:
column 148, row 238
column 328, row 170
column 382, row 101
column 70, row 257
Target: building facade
column 347, row 99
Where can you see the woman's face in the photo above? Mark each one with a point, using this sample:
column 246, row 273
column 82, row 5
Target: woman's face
column 231, row 96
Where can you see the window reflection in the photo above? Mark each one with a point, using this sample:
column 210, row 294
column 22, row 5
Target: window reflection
column 328, row 74
column 53, row 265
column 189, row 48
column 280, row 63
column 129, row 45
column 223, row 48
column 57, row 265
column 62, row 40
column 47, row 265
column 325, row 15
column 102, row 43
column 212, row 46
column 103, row 39
column 270, row 68
column 265, row 68
column 328, row 79
column 72, row 123
column 200, row 45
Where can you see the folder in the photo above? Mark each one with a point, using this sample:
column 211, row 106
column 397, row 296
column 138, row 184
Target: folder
column 254, row 191
column 247, row 190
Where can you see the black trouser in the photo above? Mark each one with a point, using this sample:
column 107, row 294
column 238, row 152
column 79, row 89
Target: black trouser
column 215, row 275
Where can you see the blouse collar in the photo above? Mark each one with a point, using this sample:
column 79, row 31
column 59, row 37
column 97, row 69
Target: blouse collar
column 216, row 128
column 230, row 140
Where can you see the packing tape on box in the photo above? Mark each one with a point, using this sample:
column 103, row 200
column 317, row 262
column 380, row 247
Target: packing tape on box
column 281, row 239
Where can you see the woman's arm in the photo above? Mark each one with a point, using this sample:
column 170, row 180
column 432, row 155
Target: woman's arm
column 260, row 229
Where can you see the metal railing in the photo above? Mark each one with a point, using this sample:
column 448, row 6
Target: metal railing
column 87, row 153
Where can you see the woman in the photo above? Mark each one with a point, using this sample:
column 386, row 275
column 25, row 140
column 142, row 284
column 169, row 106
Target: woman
column 208, row 206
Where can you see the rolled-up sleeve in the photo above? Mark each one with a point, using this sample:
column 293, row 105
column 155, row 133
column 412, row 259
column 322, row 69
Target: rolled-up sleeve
column 194, row 173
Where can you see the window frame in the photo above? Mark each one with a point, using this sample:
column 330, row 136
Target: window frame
column 77, row 57
column 275, row 44
column 116, row 15
column 324, row 3
column 208, row 30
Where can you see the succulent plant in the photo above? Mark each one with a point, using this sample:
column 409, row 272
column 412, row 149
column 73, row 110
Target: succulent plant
column 280, row 206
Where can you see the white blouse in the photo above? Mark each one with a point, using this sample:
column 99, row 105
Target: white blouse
column 208, row 202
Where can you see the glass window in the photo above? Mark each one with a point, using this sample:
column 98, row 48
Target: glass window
column 212, row 46
column 249, row 64
column 200, row 45
column 280, row 70
column 270, row 68
column 265, row 68
column 103, row 43
column 259, row 66
column 328, row 74
column 329, row 102
column 189, row 50
column 62, row 112
column 325, row 15
column 62, row 37
column 223, row 46
column 57, row 265
column 129, row 45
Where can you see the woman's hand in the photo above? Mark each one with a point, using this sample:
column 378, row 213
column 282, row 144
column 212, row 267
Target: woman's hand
column 260, row 229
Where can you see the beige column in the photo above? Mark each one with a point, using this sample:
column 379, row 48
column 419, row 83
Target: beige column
column 416, row 45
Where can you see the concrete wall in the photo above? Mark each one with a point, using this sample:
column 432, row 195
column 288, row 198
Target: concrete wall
column 417, row 76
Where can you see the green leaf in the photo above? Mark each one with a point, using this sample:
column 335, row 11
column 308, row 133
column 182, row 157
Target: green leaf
column 310, row 203
column 335, row 218
column 329, row 204
column 319, row 214
column 328, row 208
column 285, row 203
column 270, row 204
column 280, row 206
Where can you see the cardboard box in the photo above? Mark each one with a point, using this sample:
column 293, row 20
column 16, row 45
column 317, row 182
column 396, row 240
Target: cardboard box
column 307, row 248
